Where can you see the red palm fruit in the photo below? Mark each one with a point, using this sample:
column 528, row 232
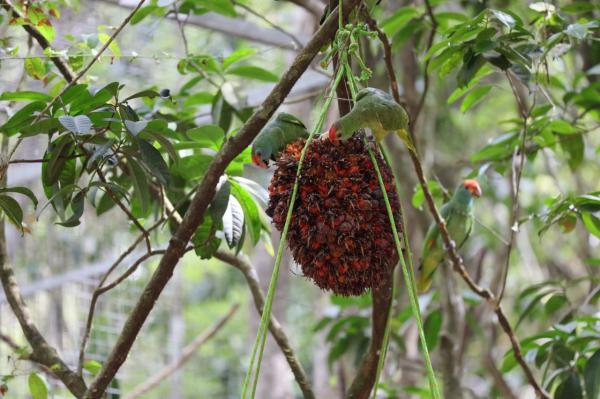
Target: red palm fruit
column 340, row 233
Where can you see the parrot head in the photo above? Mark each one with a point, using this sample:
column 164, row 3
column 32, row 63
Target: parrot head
column 472, row 187
column 339, row 131
column 260, row 156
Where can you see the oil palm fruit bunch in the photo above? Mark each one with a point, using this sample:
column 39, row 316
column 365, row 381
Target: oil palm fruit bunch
column 339, row 233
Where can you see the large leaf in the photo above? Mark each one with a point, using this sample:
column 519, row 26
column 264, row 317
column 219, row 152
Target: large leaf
column 204, row 240
column 591, row 222
column 77, row 206
column 253, row 72
column 233, row 222
column 252, row 217
column 591, row 376
column 237, row 55
column 220, row 202
column 209, row 136
column 12, row 210
column 21, row 190
column 432, row 327
column 37, row 387
column 224, row 7
column 569, row 388
column 135, row 127
column 79, row 124
column 155, row 162
column 140, row 185
column 24, row 95
column 21, row 117
column 474, row 97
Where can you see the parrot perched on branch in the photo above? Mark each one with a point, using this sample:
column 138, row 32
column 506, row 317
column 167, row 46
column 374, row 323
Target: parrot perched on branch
column 273, row 138
column 458, row 214
column 374, row 109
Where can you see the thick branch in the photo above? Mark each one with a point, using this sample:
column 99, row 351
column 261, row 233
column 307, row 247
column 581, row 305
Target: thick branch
column 186, row 355
column 62, row 66
column 274, row 327
column 365, row 376
column 204, row 194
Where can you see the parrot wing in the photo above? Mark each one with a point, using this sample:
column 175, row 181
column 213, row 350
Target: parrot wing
column 289, row 118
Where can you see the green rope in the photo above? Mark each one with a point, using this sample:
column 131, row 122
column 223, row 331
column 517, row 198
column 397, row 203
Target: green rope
column 408, row 272
column 264, row 321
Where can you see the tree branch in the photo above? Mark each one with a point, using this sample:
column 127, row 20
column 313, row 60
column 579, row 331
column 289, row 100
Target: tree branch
column 43, row 352
column 204, row 194
column 432, row 33
column 186, row 355
column 365, row 376
column 62, row 66
column 275, row 327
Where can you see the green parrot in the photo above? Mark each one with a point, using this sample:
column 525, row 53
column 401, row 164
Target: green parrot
column 458, row 214
column 273, row 138
column 374, row 109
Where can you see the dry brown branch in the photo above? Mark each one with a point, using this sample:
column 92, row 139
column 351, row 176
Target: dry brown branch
column 43, row 353
column 204, row 194
column 186, row 355
column 249, row 272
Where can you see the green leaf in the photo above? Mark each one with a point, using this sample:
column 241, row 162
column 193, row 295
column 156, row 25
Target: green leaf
column 35, row 68
column 113, row 46
column 200, row 98
column 577, row 31
column 58, row 154
column 591, row 222
column 591, row 376
column 252, row 217
column 210, row 136
column 233, row 222
column 555, row 302
column 143, row 93
column 37, row 387
column 253, row 72
column 24, row 95
column 12, row 210
column 192, row 167
column 79, row 124
column 223, row 7
column 140, row 185
column 574, row 146
column 204, row 240
column 21, row 117
column 432, row 326
column 394, row 23
column 47, row 126
column 143, row 13
column 77, row 207
column 221, row 111
column 569, row 388
column 473, row 97
column 21, row 190
column 92, row 366
column 562, row 127
column 155, row 162
column 220, row 202
column 505, row 18
column 237, row 55
column 135, row 127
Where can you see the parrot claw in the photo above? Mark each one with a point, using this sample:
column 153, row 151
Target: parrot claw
column 324, row 136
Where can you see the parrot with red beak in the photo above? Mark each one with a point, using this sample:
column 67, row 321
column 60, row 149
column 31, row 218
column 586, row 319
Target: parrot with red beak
column 458, row 214
column 374, row 109
column 275, row 136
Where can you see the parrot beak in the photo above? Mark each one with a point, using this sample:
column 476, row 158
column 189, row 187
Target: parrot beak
column 473, row 187
column 256, row 160
column 332, row 133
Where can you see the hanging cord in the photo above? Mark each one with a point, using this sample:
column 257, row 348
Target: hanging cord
column 408, row 272
column 259, row 343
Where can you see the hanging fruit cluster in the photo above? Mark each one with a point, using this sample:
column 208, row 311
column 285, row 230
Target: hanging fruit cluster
column 339, row 233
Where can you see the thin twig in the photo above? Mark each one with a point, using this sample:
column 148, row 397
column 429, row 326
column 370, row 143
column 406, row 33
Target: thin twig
column 273, row 25
column 249, row 272
column 120, row 204
column 181, row 26
column 517, row 172
column 434, row 26
column 186, row 355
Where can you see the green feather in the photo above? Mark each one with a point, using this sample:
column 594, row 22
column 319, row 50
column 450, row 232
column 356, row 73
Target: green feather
column 278, row 133
column 458, row 214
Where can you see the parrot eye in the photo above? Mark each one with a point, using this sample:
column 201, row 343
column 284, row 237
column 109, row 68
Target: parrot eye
column 258, row 153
